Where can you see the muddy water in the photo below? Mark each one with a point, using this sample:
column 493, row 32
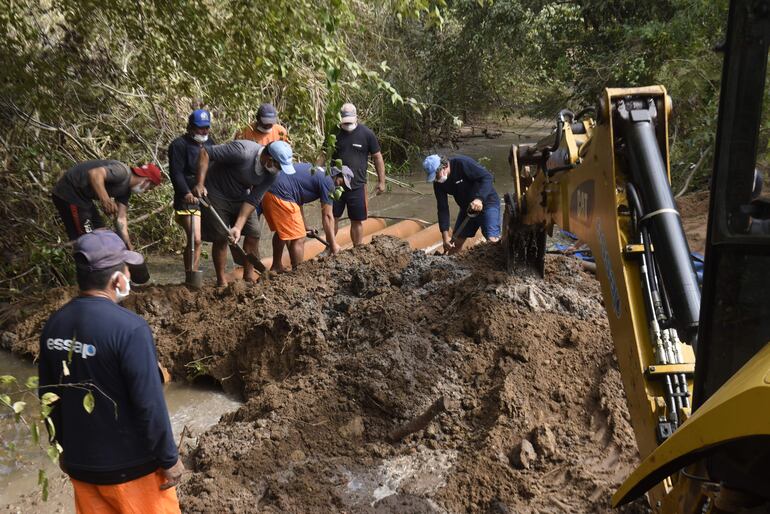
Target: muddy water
column 198, row 408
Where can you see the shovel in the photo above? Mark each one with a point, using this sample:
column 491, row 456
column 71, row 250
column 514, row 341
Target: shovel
column 239, row 254
column 469, row 215
column 193, row 278
column 140, row 273
column 313, row 234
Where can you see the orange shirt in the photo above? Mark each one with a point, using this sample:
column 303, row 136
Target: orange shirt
column 277, row 133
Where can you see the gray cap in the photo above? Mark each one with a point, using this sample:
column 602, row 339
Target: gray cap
column 347, row 174
column 267, row 115
column 104, row 249
column 348, row 113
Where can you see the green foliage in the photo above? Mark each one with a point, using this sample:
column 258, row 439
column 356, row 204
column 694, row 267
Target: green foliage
column 535, row 57
column 87, row 79
column 35, row 413
column 88, row 402
column 198, row 368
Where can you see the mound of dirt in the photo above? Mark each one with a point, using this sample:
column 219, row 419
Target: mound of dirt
column 505, row 389
column 694, row 209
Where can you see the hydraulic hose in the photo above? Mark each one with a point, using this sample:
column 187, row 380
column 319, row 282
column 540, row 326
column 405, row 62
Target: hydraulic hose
column 673, row 388
column 560, row 120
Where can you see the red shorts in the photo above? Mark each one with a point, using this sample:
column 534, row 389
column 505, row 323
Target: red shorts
column 283, row 217
column 134, row 497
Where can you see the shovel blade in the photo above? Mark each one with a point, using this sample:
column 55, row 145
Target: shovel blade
column 140, row 273
column 194, row 279
column 240, row 257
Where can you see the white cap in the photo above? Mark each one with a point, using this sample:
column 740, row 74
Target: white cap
column 348, row 113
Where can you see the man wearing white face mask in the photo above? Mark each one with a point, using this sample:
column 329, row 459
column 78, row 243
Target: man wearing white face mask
column 241, row 173
column 122, row 453
column 265, row 128
column 183, row 167
column 75, row 192
column 471, row 186
column 355, row 144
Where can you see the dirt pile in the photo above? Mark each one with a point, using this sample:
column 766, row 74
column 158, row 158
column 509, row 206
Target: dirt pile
column 694, row 209
column 336, row 357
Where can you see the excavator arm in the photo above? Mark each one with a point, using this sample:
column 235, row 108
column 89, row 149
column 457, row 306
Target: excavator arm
column 703, row 431
column 606, row 180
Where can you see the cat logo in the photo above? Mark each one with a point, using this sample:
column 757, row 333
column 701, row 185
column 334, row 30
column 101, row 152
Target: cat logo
column 582, row 202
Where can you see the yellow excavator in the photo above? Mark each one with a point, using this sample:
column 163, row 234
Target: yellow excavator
column 695, row 362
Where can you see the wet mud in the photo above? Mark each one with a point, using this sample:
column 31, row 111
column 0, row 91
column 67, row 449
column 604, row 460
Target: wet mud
column 337, row 357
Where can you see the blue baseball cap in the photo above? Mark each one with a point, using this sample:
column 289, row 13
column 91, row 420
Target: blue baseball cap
column 267, row 115
column 102, row 249
column 281, row 152
column 200, row 118
column 431, row 165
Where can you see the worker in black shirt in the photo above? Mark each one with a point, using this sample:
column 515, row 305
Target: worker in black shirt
column 355, row 144
column 183, row 166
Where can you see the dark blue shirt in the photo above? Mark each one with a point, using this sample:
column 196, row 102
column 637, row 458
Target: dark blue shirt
column 183, row 165
column 303, row 187
column 467, row 181
column 109, row 351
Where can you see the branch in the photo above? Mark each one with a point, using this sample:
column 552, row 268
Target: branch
column 152, row 213
column 50, row 128
column 692, row 173
column 398, row 183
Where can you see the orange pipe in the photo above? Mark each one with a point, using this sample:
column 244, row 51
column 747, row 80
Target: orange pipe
column 425, row 238
column 418, row 237
column 314, row 248
column 370, row 225
column 429, row 239
column 402, row 229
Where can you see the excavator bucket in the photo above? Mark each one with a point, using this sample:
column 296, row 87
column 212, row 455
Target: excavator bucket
column 524, row 244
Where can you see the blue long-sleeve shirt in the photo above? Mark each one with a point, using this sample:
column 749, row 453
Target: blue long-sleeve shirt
column 183, row 165
column 467, row 181
column 110, row 352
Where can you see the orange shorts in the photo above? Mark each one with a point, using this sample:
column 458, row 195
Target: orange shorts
column 134, row 497
column 284, row 218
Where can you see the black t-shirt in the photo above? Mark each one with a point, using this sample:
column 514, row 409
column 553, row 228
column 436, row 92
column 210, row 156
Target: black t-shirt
column 75, row 187
column 354, row 148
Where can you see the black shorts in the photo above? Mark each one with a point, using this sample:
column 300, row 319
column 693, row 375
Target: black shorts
column 356, row 202
column 78, row 220
column 228, row 211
